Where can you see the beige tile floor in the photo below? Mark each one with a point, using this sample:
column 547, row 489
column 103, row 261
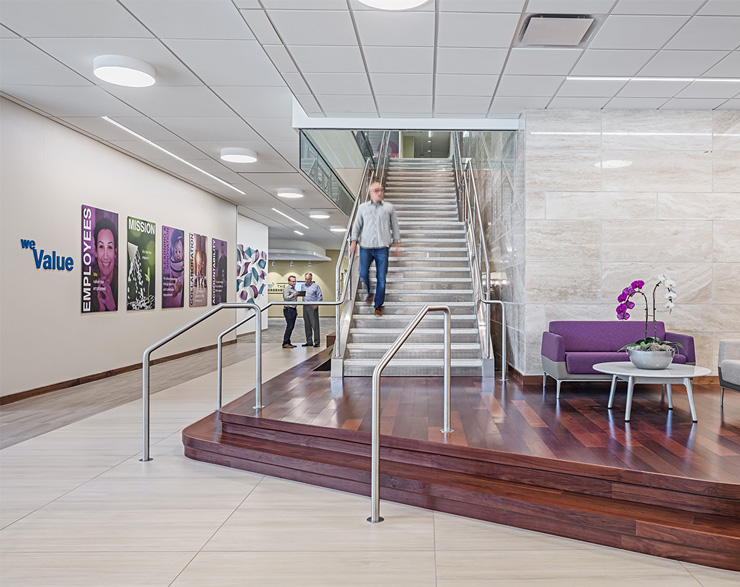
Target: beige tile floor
column 79, row 508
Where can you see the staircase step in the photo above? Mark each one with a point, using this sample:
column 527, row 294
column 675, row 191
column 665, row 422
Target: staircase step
column 412, row 367
column 411, row 351
column 394, row 307
column 400, row 321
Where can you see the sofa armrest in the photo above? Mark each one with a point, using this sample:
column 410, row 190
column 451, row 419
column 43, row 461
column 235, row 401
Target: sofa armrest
column 729, row 349
column 553, row 347
column 687, row 342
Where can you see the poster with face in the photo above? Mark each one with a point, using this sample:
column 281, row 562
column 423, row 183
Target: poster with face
column 99, row 260
column 219, row 268
column 173, row 267
column 198, row 276
column 142, row 236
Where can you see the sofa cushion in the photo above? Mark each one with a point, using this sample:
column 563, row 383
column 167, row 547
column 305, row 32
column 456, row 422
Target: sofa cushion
column 583, row 363
column 730, row 371
column 602, row 336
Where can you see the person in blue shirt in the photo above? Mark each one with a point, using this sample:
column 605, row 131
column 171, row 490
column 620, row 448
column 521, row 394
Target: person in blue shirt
column 376, row 229
column 311, row 313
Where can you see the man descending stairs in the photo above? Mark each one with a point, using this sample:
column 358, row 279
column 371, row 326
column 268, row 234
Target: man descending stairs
column 433, row 268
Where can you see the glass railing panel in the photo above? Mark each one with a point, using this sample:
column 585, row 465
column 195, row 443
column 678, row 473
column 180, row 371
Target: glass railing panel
column 320, row 172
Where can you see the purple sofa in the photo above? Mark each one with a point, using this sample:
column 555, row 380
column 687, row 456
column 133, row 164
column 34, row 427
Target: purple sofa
column 570, row 349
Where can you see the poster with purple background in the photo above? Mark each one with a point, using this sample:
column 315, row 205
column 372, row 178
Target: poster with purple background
column 173, row 267
column 99, row 260
column 198, row 274
column 219, row 270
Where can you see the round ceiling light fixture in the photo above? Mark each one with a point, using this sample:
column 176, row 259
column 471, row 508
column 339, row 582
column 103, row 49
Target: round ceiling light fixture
column 319, row 215
column 124, row 71
column 289, row 193
column 394, row 4
column 238, row 155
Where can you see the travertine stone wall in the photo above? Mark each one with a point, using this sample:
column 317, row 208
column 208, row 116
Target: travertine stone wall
column 672, row 205
column 498, row 161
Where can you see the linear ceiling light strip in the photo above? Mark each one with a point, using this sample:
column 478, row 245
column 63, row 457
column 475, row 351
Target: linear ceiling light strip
column 290, row 218
column 180, row 159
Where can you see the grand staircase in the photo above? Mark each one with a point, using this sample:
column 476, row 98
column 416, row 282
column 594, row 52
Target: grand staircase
column 434, row 268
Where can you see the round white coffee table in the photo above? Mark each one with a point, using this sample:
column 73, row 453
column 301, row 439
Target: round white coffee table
column 673, row 374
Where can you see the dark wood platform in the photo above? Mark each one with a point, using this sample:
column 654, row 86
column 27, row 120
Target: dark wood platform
column 659, row 485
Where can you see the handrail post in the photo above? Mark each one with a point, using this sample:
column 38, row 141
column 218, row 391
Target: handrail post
column 146, row 408
column 375, row 400
column 447, row 369
column 258, row 360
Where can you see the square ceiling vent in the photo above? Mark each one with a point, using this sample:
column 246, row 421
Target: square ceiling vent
column 555, row 30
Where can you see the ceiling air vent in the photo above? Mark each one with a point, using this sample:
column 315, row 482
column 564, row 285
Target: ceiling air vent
column 555, row 30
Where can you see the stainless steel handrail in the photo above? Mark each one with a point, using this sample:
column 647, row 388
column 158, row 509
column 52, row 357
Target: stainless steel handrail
column 471, row 216
column 146, row 361
column 359, row 198
column 147, row 355
column 219, row 347
column 390, row 353
column 362, row 195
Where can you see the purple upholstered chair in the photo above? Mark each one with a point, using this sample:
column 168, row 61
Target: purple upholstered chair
column 570, row 349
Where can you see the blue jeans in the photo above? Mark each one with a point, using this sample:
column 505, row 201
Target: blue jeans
column 380, row 256
column 290, row 316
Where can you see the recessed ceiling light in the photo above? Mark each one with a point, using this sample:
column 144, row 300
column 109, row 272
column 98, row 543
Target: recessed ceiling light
column 338, row 229
column 613, row 163
column 124, row 71
column 393, row 4
column 319, row 215
column 238, row 155
column 289, row 193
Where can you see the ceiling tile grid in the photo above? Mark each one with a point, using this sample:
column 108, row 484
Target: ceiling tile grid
column 228, row 70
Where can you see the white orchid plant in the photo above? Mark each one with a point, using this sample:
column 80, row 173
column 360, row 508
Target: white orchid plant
column 649, row 343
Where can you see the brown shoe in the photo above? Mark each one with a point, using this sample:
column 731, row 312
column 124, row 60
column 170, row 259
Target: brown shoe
column 288, row 346
column 378, row 311
column 369, row 299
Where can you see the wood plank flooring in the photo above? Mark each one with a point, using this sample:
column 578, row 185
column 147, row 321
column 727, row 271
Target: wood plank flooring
column 523, row 419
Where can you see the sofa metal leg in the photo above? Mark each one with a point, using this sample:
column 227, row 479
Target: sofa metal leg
column 722, row 396
column 557, row 392
column 544, row 380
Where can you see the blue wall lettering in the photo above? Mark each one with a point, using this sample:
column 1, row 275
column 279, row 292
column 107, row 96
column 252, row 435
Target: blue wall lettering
column 54, row 261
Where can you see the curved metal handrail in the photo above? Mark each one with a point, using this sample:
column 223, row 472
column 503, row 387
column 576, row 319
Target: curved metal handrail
column 390, row 353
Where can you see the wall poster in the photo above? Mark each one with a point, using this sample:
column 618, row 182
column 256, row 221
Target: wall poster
column 219, row 270
column 99, row 260
column 142, row 237
column 251, row 277
column 173, row 267
column 198, row 263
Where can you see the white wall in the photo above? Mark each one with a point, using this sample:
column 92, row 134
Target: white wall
column 47, row 172
column 252, row 235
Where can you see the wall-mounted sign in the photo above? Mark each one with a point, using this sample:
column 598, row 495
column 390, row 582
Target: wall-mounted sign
column 173, row 267
column 99, row 260
column 44, row 260
column 142, row 238
column 219, row 270
column 198, row 264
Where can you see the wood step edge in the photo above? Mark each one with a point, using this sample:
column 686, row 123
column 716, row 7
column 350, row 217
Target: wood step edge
column 642, row 478
column 513, row 495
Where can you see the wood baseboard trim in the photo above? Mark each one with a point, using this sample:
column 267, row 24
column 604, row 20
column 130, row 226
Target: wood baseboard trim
column 21, row 395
